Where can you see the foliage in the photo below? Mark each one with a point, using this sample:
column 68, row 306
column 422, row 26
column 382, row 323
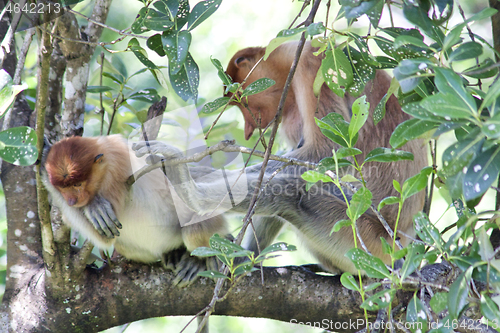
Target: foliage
column 440, row 99
column 17, row 145
column 446, row 78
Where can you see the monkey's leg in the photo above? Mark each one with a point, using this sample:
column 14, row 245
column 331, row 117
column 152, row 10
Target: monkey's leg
column 266, row 230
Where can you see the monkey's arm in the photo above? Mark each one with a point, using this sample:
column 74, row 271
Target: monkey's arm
column 101, row 215
column 211, row 194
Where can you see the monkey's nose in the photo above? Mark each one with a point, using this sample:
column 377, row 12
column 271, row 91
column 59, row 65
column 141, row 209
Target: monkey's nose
column 249, row 128
column 72, row 201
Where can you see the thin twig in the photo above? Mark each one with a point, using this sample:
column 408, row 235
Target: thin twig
column 101, row 111
column 255, row 197
column 381, row 218
column 118, row 31
column 28, row 38
column 225, row 146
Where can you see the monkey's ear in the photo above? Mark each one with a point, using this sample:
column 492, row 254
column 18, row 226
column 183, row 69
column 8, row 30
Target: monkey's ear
column 242, row 62
column 98, row 158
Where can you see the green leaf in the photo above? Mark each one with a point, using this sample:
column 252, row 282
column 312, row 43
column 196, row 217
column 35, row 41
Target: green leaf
column 380, row 300
column 439, row 302
column 349, row 282
column 448, row 82
column 8, row 91
column 386, row 248
column 447, row 106
column 360, row 202
column 416, row 13
column 18, row 146
column 138, row 25
column 337, row 71
column 186, row 81
column 157, row 21
column 221, row 72
column 400, row 254
column 244, row 269
column 416, row 110
column 387, row 155
column 413, row 259
column 491, row 128
column 205, row 252
column 406, row 39
column 169, row 7
column 315, row 28
column 379, row 112
column 427, row 231
column 466, row 51
column 328, row 163
column 335, row 123
column 388, row 201
column 223, row 244
column 360, row 112
column 148, row 95
column 215, row 105
column 201, row 12
column 409, row 130
column 410, row 72
column 457, row 297
column 415, row 184
column 258, row 86
column 460, row 154
column 485, row 248
column 154, row 43
column 314, row 176
column 212, row 274
column 363, row 72
column 415, row 313
column 482, row 173
column 484, row 70
column 492, row 95
column 372, row 9
column 277, row 247
column 346, row 152
column 340, row 224
column 176, row 46
column 98, row 89
column 373, row 266
column 489, row 309
column 182, row 13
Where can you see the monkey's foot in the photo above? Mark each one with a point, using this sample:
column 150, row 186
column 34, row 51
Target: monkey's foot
column 188, row 268
column 102, row 216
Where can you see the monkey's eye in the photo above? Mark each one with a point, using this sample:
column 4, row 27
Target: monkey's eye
column 77, row 185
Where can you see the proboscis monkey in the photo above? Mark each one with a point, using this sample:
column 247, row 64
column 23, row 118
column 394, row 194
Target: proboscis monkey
column 299, row 128
column 86, row 177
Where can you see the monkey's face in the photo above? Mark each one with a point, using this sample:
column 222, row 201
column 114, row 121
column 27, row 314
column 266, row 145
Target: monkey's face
column 75, row 195
column 258, row 110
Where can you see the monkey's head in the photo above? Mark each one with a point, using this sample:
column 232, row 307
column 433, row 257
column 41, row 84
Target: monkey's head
column 259, row 109
column 74, row 169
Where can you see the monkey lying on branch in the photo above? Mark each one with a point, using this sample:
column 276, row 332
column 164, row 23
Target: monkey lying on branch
column 300, row 130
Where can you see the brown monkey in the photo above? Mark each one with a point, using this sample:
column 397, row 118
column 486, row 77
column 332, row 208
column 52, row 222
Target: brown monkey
column 313, row 213
column 86, row 178
column 298, row 124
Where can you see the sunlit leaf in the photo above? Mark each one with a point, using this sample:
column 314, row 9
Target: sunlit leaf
column 18, row 146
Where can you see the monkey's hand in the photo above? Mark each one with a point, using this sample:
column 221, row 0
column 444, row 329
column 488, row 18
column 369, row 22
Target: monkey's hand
column 178, row 174
column 187, row 267
column 102, row 216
